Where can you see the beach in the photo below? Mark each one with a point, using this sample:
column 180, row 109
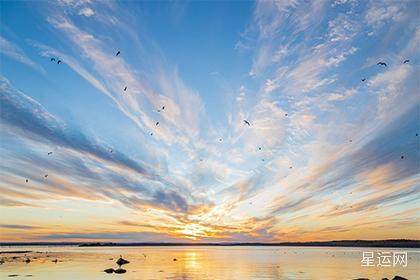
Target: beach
column 199, row 262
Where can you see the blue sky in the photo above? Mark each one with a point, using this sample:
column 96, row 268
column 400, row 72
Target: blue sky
column 321, row 159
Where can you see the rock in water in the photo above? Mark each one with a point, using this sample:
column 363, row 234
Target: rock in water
column 121, row 261
column 120, row 270
column 396, row 277
column 109, row 270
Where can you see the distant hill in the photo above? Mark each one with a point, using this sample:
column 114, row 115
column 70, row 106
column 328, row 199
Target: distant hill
column 390, row 243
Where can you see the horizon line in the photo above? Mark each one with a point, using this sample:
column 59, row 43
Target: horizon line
column 397, row 243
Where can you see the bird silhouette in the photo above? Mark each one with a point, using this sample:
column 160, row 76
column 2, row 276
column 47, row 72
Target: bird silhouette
column 364, row 79
column 121, row 261
column 259, row 148
column 27, row 180
column 59, row 61
column 49, row 153
column 402, row 157
column 417, row 134
column 46, row 175
column 125, row 88
column 52, row 59
column 220, row 139
column 110, row 150
column 247, row 122
column 118, row 52
column 151, row 133
column 381, row 63
column 290, row 167
column 157, row 123
column 350, row 140
column 286, row 114
column 406, row 61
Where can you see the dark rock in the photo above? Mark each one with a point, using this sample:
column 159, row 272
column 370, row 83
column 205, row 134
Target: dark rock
column 396, row 277
column 121, row 261
column 120, row 270
column 109, row 270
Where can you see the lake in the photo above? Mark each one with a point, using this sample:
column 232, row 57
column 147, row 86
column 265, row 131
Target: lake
column 213, row 262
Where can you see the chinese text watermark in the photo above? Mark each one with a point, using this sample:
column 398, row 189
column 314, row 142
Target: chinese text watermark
column 385, row 259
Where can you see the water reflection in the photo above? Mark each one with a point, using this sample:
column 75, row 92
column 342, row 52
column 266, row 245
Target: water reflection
column 206, row 263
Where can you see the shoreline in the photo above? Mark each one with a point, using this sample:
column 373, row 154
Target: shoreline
column 390, row 243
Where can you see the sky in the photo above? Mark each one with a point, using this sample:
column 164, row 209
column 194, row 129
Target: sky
column 331, row 151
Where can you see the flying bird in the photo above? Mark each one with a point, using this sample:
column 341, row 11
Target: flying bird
column 259, row 148
column 59, row 61
column 118, row 52
column 364, row 79
column 220, row 139
column 125, row 88
column 350, row 140
column 46, row 175
column 247, row 122
column 262, row 159
column 406, row 61
column 151, row 133
column 157, row 123
column 27, row 180
column 417, row 134
column 286, row 114
column 381, row 63
column 49, row 153
column 402, row 157
column 110, row 150
column 290, row 167
column 52, row 59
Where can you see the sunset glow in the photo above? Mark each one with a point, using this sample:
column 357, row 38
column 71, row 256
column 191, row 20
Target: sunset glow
column 215, row 122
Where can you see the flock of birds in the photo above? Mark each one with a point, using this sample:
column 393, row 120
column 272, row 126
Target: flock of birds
column 381, row 63
column 246, row 122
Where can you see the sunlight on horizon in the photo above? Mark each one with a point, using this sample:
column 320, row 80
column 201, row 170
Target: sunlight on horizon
column 226, row 121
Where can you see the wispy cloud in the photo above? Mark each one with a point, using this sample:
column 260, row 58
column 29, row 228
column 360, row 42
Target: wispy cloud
column 317, row 134
column 14, row 52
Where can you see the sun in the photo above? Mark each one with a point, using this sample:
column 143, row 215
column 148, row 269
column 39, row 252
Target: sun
column 193, row 231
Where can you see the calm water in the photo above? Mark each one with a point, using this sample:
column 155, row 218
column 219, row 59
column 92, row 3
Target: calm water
column 204, row 263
